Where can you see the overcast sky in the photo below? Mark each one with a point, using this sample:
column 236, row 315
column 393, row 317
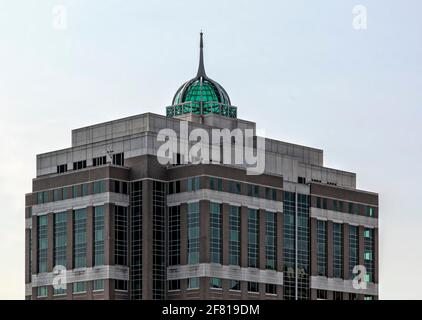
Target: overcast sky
column 297, row 68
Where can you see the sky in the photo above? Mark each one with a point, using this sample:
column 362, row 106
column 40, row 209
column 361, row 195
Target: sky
column 298, row 68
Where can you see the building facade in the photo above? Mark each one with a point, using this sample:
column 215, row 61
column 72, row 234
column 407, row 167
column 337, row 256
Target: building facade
column 106, row 220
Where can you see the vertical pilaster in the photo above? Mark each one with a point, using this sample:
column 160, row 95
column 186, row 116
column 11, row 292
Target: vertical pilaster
column 345, row 251
column 147, row 237
column 330, row 270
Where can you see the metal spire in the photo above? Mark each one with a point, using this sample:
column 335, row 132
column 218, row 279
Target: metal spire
column 201, row 68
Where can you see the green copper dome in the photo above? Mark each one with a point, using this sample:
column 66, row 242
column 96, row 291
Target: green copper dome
column 201, row 95
column 201, row 89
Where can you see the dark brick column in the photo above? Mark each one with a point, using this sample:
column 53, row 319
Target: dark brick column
column 225, row 233
column 147, row 186
column 376, row 256
column 262, row 261
column 330, row 249
column 244, row 237
column 280, row 249
column 314, row 262
column 89, row 236
column 345, row 251
column 204, row 226
column 50, row 240
column 183, row 234
column 69, row 250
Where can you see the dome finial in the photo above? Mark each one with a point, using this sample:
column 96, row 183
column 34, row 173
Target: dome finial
column 201, row 68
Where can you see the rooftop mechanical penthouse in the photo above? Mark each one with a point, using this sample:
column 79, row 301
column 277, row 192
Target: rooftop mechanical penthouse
column 106, row 219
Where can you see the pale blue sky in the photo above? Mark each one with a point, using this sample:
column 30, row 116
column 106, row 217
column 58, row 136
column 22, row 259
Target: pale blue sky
column 297, row 68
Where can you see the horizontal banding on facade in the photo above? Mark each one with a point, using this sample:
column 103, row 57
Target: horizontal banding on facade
column 224, row 197
column 83, row 274
column 81, row 202
column 340, row 285
column 224, row 272
column 341, row 217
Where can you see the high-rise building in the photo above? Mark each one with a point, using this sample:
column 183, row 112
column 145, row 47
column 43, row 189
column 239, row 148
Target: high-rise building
column 106, row 219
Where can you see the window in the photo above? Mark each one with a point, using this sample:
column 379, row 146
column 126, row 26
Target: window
column 158, row 240
column 253, row 238
column 234, row 235
column 42, row 243
column 301, row 180
column 234, row 187
column 270, row 240
column 45, row 197
column 84, row 189
column 335, row 205
column 193, row 184
column 118, row 159
column 98, row 285
column 99, row 161
column 253, row 190
column 353, row 296
column 174, row 187
column 79, row 287
column 321, row 294
column 79, row 236
column 215, row 233
column 120, row 235
column 215, row 283
column 193, row 233
column 99, row 186
column 174, row 285
column 57, row 194
column 234, row 285
column 136, row 240
column 64, row 193
column 193, row 283
column 270, row 288
column 322, row 248
column 62, row 168
column 75, row 191
column 60, row 238
column 351, row 208
column 216, row 184
column 289, row 252
column 357, row 208
column 338, row 250
column 174, row 236
column 353, row 249
column 324, row 203
column 98, row 229
column 59, row 291
column 337, row 295
column 368, row 254
column 42, row 292
column 319, row 203
column 120, row 285
column 78, row 165
column 253, row 287
column 271, row 194
column 370, row 211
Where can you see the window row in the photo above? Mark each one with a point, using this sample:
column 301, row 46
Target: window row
column 80, row 287
column 116, row 159
column 216, row 283
column 219, row 184
column 81, row 190
column 344, row 206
